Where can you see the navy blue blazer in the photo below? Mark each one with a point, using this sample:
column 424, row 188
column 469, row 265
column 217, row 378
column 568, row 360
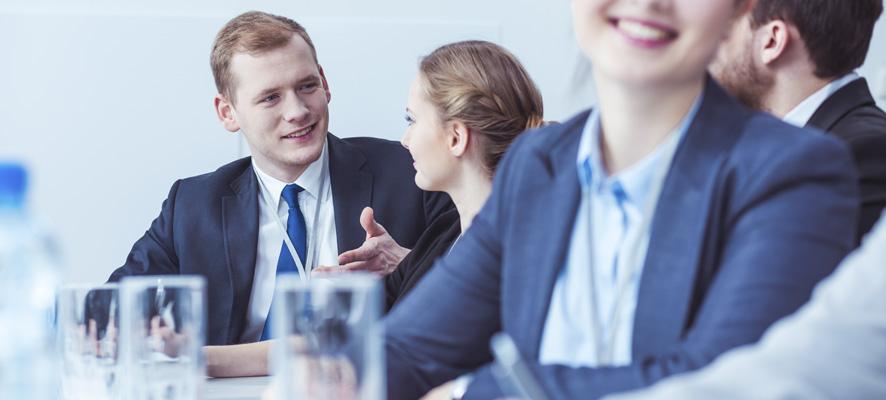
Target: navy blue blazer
column 752, row 214
column 209, row 223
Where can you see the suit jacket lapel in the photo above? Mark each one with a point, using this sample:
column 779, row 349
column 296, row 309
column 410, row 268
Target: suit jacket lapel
column 547, row 215
column 854, row 95
column 351, row 191
column 240, row 225
column 681, row 219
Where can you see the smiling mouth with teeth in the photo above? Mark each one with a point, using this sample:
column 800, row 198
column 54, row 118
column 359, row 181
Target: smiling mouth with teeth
column 642, row 32
column 301, row 132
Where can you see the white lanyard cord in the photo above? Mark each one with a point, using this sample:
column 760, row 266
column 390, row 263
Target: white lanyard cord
column 311, row 258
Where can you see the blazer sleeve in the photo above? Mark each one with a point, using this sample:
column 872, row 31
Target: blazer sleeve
column 786, row 230
column 154, row 253
column 796, row 358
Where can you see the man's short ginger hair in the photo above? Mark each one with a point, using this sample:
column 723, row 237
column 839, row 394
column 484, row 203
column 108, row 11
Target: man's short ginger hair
column 253, row 32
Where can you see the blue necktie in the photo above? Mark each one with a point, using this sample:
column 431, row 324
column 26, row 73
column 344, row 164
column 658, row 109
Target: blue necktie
column 295, row 228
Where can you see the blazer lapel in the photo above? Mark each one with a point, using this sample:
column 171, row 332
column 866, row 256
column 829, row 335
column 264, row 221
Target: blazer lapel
column 240, row 225
column 855, row 94
column 681, row 218
column 547, row 217
column 351, row 191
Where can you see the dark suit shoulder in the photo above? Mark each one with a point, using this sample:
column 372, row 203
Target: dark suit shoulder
column 220, row 179
column 866, row 123
column 385, row 157
column 380, row 151
column 851, row 114
column 373, row 143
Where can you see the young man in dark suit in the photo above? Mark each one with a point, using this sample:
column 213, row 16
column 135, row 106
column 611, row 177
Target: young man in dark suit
column 301, row 183
column 795, row 59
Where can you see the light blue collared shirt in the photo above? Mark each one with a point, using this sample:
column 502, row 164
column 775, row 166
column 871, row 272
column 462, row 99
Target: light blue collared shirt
column 609, row 248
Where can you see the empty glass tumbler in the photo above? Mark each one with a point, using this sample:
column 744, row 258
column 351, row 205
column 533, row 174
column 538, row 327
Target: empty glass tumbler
column 162, row 332
column 87, row 331
column 329, row 338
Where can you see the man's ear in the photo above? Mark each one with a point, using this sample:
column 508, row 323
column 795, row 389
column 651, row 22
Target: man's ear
column 459, row 137
column 773, row 40
column 224, row 109
column 325, row 84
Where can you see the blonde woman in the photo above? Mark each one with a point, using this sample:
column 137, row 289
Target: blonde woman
column 467, row 104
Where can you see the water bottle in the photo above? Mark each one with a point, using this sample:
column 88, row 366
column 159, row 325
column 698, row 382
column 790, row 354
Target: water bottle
column 29, row 277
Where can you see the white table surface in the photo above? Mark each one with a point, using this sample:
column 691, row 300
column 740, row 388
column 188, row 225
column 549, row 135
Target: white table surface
column 236, row 388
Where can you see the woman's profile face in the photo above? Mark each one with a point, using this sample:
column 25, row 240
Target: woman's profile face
column 651, row 42
column 426, row 140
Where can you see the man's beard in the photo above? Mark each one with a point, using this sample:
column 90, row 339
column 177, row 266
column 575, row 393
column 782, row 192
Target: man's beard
column 744, row 80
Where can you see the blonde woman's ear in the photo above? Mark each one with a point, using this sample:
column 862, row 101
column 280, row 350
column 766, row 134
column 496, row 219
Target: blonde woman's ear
column 459, row 138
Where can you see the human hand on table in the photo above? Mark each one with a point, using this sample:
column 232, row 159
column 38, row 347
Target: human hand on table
column 164, row 339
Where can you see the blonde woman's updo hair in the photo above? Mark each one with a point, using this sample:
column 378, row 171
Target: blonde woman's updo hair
column 484, row 86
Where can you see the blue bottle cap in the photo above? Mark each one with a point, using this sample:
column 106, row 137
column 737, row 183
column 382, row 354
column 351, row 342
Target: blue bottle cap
column 13, row 183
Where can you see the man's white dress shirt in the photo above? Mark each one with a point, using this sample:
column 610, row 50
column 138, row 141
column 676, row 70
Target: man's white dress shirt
column 270, row 234
column 834, row 347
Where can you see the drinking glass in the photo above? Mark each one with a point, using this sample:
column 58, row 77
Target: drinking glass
column 87, row 339
column 329, row 338
column 162, row 331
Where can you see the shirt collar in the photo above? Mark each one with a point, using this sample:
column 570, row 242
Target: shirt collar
column 637, row 180
column 801, row 114
column 310, row 180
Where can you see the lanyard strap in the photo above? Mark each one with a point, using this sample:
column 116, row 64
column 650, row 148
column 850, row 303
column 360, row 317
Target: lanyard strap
column 311, row 258
column 631, row 248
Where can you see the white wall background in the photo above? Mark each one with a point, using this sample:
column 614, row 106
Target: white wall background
column 109, row 102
